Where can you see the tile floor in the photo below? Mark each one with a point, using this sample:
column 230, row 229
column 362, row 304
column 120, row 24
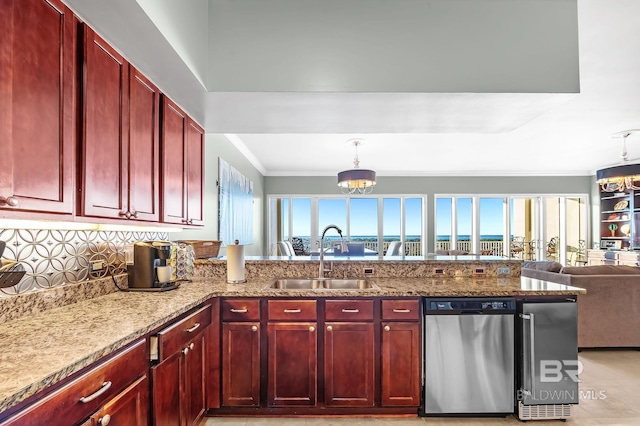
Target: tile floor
column 610, row 391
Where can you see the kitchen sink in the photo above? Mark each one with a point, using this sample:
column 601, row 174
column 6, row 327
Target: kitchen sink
column 321, row 284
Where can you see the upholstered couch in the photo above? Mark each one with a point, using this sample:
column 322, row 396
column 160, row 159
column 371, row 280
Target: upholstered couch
column 609, row 314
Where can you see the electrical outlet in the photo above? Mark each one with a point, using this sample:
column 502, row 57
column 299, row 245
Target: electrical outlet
column 96, row 265
column 478, row 270
column 504, row 271
column 368, row 271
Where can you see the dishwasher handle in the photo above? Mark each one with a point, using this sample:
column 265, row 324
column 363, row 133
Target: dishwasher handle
column 532, row 346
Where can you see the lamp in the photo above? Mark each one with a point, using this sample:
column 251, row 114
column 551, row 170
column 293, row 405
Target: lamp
column 624, row 176
column 356, row 180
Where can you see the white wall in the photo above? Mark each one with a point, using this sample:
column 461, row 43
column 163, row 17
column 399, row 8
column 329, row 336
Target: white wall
column 185, row 26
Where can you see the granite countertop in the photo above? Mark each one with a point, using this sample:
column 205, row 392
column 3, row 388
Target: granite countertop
column 42, row 349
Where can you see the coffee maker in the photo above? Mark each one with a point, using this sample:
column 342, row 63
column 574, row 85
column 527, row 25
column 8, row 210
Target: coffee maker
column 151, row 270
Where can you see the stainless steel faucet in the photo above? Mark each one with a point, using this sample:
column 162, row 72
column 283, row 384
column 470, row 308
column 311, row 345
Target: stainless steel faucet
column 321, row 269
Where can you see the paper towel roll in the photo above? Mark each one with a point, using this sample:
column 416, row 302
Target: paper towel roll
column 235, row 264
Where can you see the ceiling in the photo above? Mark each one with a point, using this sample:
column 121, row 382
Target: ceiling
column 292, row 125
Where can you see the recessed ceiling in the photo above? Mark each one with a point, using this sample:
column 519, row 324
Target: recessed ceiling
column 411, row 131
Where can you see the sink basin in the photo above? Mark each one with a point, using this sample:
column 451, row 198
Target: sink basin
column 321, row 284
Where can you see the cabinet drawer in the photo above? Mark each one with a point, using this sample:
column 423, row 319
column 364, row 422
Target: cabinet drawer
column 178, row 335
column 80, row 398
column 241, row 310
column 401, row 309
column 349, row 310
column 292, row 310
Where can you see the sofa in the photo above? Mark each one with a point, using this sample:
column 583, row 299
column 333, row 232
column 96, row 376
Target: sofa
column 609, row 313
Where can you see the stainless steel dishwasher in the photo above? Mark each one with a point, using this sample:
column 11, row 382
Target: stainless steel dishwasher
column 469, row 356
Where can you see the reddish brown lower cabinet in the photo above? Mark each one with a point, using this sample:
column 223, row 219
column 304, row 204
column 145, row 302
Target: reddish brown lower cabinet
column 400, row 357
column 166, row 378
column 293, row 364
column 358, row 355
column 178, row 380
column 349, row 368
column 117, row 387
column 240, row 364
column 195, row 377
column 130, row 407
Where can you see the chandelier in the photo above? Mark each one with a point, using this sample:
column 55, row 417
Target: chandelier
column 356, row 180
column 624, row 176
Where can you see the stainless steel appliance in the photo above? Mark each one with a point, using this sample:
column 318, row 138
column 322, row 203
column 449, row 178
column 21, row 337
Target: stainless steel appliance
column 149, row 259
column 547, row 365
column 469, row 356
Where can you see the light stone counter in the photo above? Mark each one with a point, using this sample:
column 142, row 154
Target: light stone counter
column 43, row 348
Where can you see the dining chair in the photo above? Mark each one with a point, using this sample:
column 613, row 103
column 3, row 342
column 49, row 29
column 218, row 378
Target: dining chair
column 394, row 249
column 286, row 249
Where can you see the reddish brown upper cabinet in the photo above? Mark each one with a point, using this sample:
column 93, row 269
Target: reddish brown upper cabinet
column 37, row 103
column 182, row 167
column 120, row 143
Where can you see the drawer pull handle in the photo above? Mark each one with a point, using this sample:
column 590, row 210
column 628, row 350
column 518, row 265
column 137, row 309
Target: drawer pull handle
column 329, row 328
column 402, row 311
column 194, row 328
column 312, row 329
column 105, row 387
column 292, row 311
column 191, row 346
column 105, row 420
column 239, row 311
column 254, row 328
column 185, row 351
column 351, row 311
column 387, row 328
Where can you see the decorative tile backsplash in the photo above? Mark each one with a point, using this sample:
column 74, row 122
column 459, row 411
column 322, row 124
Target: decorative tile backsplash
column 55, row 257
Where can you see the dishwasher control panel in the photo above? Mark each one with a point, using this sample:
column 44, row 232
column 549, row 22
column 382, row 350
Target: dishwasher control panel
column 470, row 305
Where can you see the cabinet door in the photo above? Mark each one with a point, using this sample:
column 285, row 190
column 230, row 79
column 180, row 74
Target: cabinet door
column 174, row 127
column 195, row 173
column 400, row 359
column 167, row 378
column 144, row 148
column 130, row 407
column 37, row 102
column 195, row 379
column 105, row 140
column 293, row 364
column 349, row 364
column 241, row 364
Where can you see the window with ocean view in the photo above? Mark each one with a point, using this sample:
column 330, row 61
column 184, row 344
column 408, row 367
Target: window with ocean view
column 374, row 221
column 540, row 228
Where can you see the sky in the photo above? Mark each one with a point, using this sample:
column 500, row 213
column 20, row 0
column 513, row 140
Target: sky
column 364, row 216
column 491, row 216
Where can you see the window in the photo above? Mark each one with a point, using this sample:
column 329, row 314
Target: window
column 539, row 228
column 376, row 221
